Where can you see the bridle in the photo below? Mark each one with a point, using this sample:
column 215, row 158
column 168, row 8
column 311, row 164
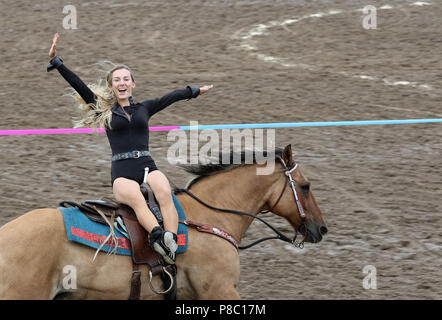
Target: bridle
column 288, row 172
column 279, row 235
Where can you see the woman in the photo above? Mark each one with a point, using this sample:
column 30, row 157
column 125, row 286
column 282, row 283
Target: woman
column 126, row 125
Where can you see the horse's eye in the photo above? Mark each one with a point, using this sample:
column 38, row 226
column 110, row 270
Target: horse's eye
column 305, row 187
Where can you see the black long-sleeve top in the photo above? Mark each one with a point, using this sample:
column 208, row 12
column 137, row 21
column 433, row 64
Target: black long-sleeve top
column 126, row 134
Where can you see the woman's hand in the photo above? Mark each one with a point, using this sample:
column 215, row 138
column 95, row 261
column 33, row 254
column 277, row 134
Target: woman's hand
column 204, row 89
column 53, row 47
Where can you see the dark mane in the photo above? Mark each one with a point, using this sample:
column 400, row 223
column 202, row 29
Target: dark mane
column 235, row 159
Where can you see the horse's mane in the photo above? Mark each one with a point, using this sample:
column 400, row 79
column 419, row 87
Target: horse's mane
column 205, row 170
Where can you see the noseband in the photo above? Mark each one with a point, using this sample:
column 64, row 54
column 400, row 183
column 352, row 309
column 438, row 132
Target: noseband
column 279, row 235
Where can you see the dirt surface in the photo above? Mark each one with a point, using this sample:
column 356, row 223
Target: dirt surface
column 379, row 187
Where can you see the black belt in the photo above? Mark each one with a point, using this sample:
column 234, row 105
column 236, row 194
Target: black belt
column 130, row 155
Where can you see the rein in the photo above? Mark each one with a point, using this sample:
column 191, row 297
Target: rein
column 279, row 235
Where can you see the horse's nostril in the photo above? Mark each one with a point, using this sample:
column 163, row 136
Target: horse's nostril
column 323, row 230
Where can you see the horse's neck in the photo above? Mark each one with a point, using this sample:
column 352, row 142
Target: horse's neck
column 239, row 189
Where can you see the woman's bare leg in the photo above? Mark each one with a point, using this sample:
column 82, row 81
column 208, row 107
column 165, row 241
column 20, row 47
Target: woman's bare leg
column 128, row 192
column 161, row 188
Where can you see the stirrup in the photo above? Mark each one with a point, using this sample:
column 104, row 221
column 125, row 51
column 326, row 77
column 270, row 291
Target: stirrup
column 161, row 292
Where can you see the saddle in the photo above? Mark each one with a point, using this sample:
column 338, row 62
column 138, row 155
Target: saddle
column 101, row 210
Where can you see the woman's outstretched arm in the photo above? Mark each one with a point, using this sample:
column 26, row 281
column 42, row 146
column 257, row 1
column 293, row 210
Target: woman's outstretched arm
column 189, row 92
column 76, row 83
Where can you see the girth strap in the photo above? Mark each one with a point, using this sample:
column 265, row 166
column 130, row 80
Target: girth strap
column 135, row 283
column 169, row 282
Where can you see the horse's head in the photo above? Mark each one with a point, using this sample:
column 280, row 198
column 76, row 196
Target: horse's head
column 292, row 198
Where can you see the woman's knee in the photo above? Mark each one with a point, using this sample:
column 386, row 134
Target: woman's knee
column 163, row 195
column 160, row 186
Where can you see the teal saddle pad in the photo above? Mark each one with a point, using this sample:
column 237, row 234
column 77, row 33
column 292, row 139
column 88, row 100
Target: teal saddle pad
column 92, row 234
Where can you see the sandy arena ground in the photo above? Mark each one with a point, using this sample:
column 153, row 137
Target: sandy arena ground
column 379, row 187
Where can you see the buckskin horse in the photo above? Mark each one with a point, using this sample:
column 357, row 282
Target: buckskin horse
column 35, row 250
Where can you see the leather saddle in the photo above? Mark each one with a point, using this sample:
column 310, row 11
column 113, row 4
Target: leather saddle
column 142, row 253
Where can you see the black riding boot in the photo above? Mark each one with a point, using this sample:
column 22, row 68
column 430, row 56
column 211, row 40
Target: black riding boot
column 165, row 243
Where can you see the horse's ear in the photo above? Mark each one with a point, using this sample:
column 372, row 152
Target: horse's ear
column 287, row 154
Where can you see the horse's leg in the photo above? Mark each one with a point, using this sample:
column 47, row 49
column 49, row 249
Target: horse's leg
column 30, row 250
column 212, row 267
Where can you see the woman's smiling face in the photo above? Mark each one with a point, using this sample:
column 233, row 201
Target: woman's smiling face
column 122, row 84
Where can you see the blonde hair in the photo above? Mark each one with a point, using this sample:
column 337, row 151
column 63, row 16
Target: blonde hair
column 99, row 114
